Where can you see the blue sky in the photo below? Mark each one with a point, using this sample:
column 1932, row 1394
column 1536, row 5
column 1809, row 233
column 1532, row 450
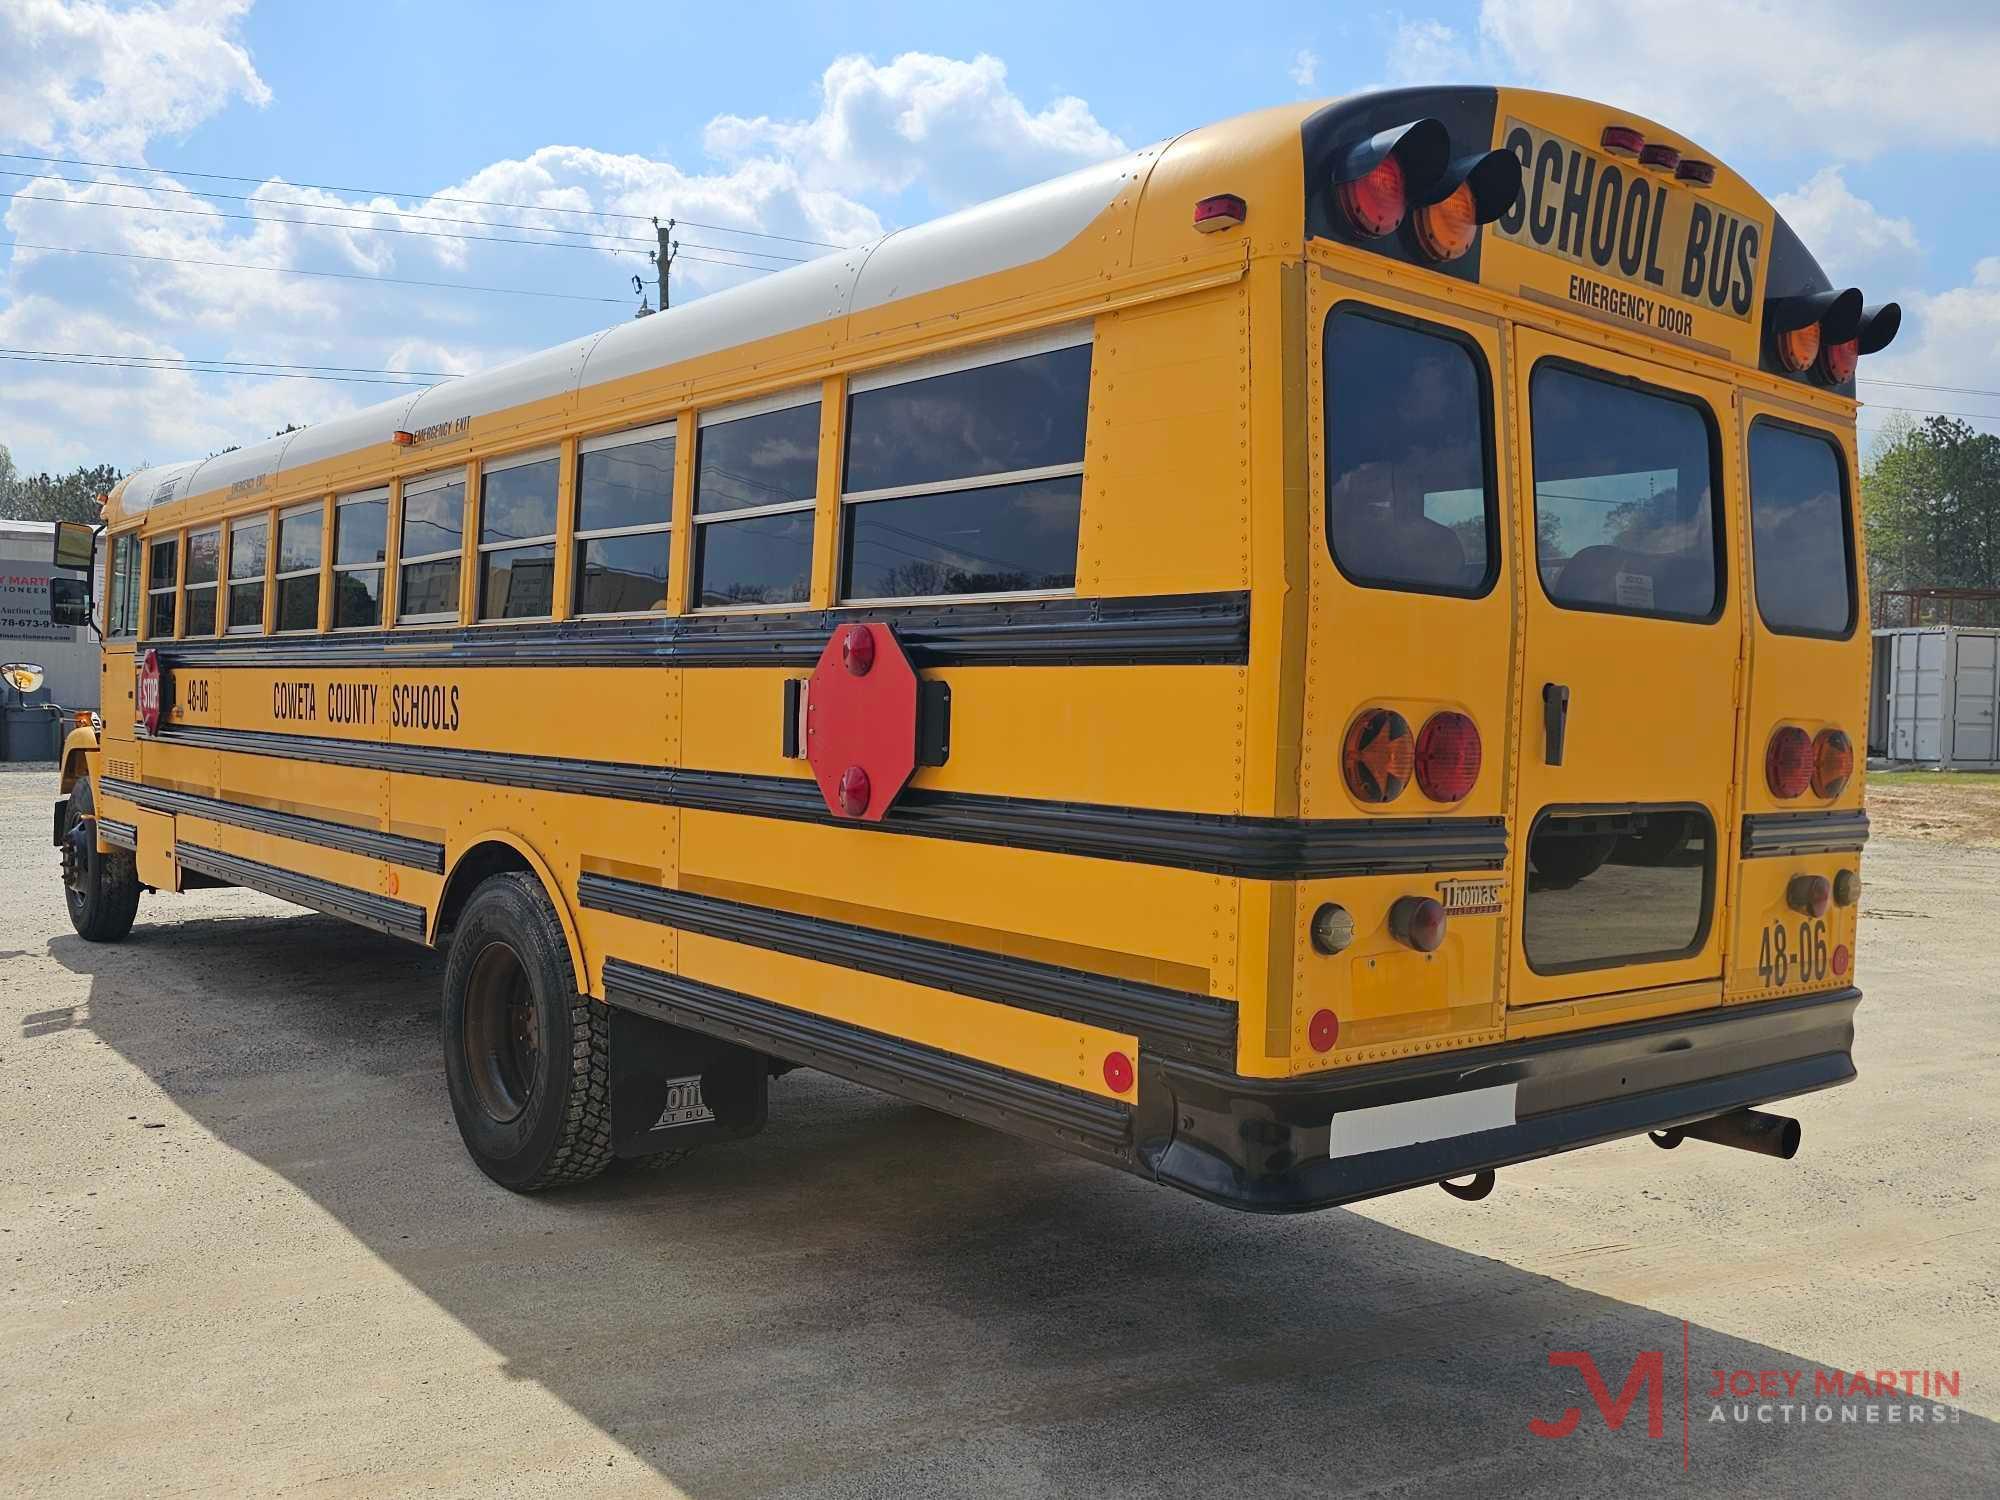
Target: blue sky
column 1876, row 127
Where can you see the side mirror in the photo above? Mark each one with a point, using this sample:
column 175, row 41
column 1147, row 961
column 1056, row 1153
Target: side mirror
column 24, row 677
column 76, row 545
column 69, row 601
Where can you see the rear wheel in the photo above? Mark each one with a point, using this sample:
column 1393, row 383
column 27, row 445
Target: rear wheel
column 101, row 890
column 526, row 1055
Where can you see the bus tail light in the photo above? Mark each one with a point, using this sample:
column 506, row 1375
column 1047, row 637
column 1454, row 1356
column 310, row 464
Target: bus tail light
column 1378, row 756
column 1418, row 921
column 1809, row 895
column 1837, row 361
column 1788, row 761
column 1376, row 180
column 1803, row 327
column 1832, row 762
column 1375, row 202
column 1448, row 756
column 1471, row 191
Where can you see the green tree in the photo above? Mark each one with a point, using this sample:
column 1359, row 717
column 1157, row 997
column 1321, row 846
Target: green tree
column 66, row 497
column 1930, row 505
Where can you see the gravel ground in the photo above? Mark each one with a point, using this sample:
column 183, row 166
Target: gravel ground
column 245, row 1254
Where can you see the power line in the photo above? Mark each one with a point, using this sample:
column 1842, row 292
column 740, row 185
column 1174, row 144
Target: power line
column 422, row 234
column 231, row 265
column 1914, row 385
column 1925, row 411
column 82, row 364
column 184, row 359
column 323, row 187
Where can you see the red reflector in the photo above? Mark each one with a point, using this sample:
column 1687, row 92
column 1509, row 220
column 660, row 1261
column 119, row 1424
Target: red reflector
column 1374, row 202
column 1622, row 140
column 1788, row 762
column 854, row 791
column 402, row 439
column 1696, row 173
column 1833, row 762
column 1378, row 756
column 1660, row 158
column 857, row 650
column 1840, row 959
column 1418, row 921
column 1837, row 361
column 1448, row 755
column 1809, row 895
column 1223, row 211
column 1323, row 1030
column 1117, row 1072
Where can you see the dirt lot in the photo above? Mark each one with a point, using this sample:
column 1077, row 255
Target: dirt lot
column 1950, row 807
column 245, row 1254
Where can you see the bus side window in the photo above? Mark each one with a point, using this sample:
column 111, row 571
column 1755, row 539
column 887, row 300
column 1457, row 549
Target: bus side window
column 967, row 480
column 624, row 521
column 162, row 582
column 299, row 541
column 1410, row 498
column 433, row 530
column 360, row 550
column 122, row 582
column 247, row 551
column 204, row 558
column 756, row 476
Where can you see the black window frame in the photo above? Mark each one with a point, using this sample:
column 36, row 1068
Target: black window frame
column 1489, row 465
column 1718, row 498
column 1803, row 429
column 1709, row 881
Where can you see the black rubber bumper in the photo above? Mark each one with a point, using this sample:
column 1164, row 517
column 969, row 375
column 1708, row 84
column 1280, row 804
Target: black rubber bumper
column 1268, row 1146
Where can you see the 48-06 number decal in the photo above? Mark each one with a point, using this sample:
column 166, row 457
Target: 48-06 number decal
column 1793, row 955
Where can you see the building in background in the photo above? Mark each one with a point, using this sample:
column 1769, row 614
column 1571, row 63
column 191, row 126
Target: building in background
column 68, row 654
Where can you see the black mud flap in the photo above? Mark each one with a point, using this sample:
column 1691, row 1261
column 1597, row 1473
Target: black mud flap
column 672, row 1089
column 62, row 813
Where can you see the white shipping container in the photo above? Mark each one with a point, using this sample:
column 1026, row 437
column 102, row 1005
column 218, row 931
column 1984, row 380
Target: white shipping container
column 1936, row 697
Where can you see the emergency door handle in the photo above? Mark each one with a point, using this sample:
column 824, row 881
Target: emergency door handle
column 1555, row 720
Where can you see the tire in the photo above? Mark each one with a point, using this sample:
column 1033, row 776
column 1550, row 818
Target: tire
column 526, row 1057
column 1561, row 862
column 100, row 890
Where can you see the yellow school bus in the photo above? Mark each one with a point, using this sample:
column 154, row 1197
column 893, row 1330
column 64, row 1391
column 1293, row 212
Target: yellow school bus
column 1315, row 658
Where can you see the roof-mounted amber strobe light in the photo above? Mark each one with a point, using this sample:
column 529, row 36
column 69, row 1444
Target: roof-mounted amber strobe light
column 1472, row 190
column 1801, row 326
column 1376, row 180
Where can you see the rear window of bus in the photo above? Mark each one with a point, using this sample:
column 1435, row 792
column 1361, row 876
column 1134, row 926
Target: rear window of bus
column 1624, row 516
column 1410, row 496
column 1801, row 531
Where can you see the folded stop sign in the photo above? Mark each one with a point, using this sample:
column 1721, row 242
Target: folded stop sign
column 861, row 721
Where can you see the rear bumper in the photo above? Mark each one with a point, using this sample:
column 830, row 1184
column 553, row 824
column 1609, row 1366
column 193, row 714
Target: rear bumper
column 1288, row 1145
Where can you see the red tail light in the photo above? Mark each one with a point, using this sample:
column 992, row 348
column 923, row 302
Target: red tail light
column 1418, row 921
column 1448, row 754
column 1375, row 202
column 1378, row 756
column 1809, row 895
column 1837, row 361
column 1788, row 763
column 1832, row 762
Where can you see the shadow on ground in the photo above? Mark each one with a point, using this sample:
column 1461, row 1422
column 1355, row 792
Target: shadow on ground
column 873, row 1298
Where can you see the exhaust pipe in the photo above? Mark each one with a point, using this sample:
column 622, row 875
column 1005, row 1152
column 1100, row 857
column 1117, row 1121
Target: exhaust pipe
column 1745, row 1129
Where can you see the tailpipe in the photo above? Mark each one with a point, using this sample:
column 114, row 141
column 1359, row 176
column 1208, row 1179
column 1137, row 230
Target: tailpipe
column 1745, row 1129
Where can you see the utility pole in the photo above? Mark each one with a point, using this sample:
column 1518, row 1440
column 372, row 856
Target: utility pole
column 663, row 268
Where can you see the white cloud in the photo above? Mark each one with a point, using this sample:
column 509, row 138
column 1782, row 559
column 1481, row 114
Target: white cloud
column 101, row 78
column 1431, row 52
column 1844, row 78
column 1951, row 338
column 952, row 127
column 1304, row 70
column 1856, row 243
